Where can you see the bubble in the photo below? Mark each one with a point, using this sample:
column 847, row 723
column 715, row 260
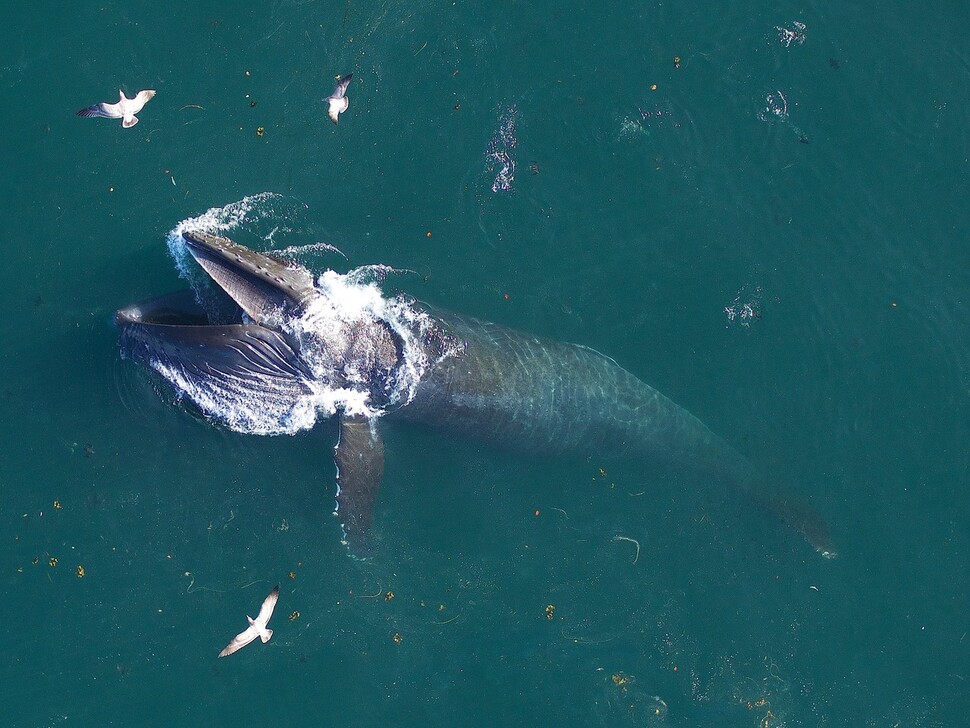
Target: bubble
column 795, row 34
column 745, row 309
column 499, row 155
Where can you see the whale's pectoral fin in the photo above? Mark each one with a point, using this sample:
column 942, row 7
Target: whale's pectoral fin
column 359, row 455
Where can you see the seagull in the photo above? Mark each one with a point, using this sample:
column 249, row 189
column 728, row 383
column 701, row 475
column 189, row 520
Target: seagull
column 125, row 109
column 257, row 627
column 338, row 101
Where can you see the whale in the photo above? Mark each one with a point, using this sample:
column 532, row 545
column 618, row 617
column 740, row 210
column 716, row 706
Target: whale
column 274, row 348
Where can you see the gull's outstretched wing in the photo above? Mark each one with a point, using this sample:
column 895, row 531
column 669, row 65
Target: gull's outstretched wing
column 103, row 110
column 239, row 641
column 337, row 102
column 340, row 90
column 269, row 604
column 141, row 98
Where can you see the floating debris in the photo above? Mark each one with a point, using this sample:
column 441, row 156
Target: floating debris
column 633, row 541
column 550, row 611
column 637, row 704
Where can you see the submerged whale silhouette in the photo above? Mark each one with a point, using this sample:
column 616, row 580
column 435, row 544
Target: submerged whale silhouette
column 297, row 346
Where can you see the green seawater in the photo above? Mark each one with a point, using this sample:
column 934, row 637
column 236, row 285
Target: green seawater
column 772, row 230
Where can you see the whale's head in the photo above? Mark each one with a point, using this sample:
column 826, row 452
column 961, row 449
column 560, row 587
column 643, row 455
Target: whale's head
column 272, row 354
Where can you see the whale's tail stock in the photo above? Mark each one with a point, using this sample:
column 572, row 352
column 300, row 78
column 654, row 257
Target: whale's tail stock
column 713, row 458
column 794, row 512
column 770, row 495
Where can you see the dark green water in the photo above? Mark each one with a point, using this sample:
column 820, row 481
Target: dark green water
column 843, row 222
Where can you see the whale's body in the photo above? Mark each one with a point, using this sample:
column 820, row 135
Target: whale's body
column 468, row 377
column 540, row 395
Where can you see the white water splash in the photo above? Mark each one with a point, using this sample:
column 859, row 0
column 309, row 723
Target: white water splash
column 746, row 306
column 215, row 221
column 318, row 247
column 795, row 34
column 240, row 409
column 500, row 153
column 346, row 305
column 777, row 109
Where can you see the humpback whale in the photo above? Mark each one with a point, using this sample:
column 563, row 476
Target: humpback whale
column 288, row 347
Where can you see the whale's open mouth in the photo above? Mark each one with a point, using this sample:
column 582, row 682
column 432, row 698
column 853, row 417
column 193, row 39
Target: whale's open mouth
column 241, row 334
column 233, row 361
column 174, row 330
column 269, row 347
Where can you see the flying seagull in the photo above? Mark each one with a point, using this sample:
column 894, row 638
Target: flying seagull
column 338, row 101
column 125, row 109
column 257, row 627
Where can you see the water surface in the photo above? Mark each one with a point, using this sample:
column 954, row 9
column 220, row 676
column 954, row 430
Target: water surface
column 769, row 228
